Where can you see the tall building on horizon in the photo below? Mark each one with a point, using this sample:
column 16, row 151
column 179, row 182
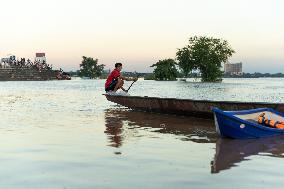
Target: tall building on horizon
column 233, row 68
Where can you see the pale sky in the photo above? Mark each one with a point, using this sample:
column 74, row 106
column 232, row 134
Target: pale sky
column 138, row 33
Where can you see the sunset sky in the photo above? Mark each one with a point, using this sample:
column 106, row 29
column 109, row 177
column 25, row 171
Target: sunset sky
column 138, row 33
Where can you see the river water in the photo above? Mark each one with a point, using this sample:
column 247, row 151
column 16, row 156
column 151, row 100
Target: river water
column 65, row 134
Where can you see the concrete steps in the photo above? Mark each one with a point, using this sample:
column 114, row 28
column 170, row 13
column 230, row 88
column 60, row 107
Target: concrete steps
column 26, row 74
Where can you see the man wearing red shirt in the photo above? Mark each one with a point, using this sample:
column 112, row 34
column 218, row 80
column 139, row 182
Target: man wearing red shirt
column 115, row 80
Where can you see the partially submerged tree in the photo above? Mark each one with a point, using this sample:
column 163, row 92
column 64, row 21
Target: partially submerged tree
column 90, row 68
column 165, row 70
column 205, row 54
column 185, row 63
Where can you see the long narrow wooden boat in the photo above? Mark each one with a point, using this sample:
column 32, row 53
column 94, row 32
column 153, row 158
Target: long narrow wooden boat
column 196, row 108
column 244, row 124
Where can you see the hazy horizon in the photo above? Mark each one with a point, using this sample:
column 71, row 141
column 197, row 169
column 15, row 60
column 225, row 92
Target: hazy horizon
column 139, row 33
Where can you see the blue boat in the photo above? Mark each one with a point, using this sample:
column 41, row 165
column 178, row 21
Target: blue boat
column 244, row 124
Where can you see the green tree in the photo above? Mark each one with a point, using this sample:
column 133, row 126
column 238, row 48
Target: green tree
column 185, row 63
column 90, row 68
column 205, row 54
column 165, row 70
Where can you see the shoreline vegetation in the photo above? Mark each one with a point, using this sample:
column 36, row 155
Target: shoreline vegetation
column 150, row 76
column 202, row 58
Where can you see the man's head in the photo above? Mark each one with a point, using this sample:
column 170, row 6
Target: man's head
column 118, row 66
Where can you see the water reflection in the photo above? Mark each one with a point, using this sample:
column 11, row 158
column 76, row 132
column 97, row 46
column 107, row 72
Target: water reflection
column 122, row 124
column 114, row 129
column 230, row 153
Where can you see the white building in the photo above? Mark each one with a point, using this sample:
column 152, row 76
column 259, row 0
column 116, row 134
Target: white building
column 40, row 58
column 234, row 69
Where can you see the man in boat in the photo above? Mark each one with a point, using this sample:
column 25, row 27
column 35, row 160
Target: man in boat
column 115, row 80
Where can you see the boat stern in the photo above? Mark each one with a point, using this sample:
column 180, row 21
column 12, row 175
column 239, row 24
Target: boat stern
column 228, row 126
column 217, row 125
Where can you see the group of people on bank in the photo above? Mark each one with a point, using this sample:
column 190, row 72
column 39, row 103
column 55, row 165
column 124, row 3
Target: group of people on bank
column 23, row 63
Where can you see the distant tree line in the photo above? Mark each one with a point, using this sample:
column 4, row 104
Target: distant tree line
column 150, row 76
column 254, row 75
column 203, row 55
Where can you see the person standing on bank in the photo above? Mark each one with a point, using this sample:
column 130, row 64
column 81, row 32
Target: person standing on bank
column 115, row 80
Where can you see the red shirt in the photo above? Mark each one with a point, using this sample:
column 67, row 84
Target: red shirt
column 113, row 75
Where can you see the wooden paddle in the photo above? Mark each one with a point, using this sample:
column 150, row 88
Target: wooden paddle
column 132, row 83
column 130, row 86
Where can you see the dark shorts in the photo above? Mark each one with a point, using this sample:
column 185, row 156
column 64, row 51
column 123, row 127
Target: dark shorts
column 111, row 86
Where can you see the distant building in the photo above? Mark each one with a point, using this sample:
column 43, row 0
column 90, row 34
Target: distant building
column 40, row 58
column 234, row 68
